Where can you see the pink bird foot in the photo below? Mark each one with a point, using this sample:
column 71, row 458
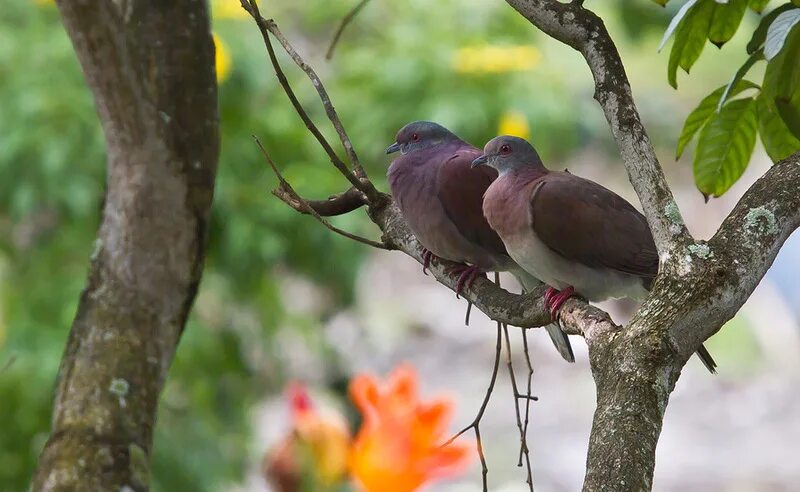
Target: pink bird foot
column 553, row 299
column 466, row 276
column 426, row 259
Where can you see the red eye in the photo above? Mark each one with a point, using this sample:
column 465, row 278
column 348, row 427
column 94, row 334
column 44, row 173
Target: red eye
column 505, row 149
column 415, row 137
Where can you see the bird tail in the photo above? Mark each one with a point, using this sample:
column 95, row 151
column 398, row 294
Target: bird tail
column 707, row 360
column 557, row 335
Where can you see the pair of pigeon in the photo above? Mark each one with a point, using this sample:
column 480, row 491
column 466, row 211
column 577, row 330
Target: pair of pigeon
column 500, row 209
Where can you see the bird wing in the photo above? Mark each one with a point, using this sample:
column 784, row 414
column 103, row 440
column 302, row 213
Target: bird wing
column 586, row 222
column 460, row 190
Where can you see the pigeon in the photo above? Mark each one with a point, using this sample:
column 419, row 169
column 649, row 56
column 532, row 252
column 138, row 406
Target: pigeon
column 440, row 196
column 571, row 233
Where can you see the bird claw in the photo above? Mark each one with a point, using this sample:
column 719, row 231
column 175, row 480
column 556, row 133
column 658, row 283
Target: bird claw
column 466, row 276
column 426, row 259
column 553, row 299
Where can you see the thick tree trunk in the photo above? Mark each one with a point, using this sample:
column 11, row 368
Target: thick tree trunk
column 150, row 66
column 632, row 395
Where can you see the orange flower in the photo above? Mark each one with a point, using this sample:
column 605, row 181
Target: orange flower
column 398, row 448
column 314, row 455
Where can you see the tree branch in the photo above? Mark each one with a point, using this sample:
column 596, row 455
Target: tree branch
column 286, row 193
column 359, row 178
column 339, row 204
column 585, row 32
column 725, row 271
column 150, row 68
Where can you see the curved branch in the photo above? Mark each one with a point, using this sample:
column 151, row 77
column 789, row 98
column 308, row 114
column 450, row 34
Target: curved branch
column 584, row 31
column 740, row 253
column 339, row 204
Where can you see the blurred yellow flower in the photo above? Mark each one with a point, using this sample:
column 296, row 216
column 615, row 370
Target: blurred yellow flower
column 399, row 446
column 496, row 58
column 514, row 123
column 314, row 455
column 222, row 59
column 228, row 9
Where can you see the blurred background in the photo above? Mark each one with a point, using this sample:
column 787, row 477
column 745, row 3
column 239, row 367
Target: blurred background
column 284, row 299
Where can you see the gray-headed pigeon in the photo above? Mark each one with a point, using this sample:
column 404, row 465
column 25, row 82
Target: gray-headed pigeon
column 440, row 196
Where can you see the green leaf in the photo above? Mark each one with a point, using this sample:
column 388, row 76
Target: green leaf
column 725, row 146
column 673, row 23
column 690, row 37
column 775, row 135
column 782, row 76
column 725, row 21
column 661, row 2
column 789, row 110
column 704, row 111
column 778, row 32
column 760, row 34
column 757, row 5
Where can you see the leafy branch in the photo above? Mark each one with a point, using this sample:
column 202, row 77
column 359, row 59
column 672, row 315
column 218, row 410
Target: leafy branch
column 727, row 134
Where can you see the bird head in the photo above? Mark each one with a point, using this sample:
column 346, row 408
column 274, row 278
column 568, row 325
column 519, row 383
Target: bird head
column 419, row 135
column 505, row 153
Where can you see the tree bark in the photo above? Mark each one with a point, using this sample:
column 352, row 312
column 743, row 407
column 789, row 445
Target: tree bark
column 150, row 67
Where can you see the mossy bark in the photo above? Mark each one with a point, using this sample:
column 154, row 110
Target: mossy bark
column 150, row 67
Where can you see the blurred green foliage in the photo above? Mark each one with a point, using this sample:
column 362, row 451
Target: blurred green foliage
column 394, row 64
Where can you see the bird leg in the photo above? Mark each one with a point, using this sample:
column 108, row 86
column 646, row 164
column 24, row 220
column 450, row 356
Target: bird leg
column 426, row 259
column 553, row 299
column 466, row 276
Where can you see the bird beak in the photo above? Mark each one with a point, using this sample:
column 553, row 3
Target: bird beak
column 480, row 161
column 393, row 148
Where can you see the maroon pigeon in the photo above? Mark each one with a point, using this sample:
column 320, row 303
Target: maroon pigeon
column 441, row 197
column 571, row 233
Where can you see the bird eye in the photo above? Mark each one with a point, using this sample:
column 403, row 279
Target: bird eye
column 415, row 137
column 505, row 149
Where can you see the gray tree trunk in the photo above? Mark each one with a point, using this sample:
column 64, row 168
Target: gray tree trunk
column 150, row 67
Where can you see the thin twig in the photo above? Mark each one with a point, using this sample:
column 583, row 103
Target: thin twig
column 266, row 27
column 287, row 188
column 9, row 363
column 477, row 421
column 527, row 405
column 359, row 179
column 345, row 21
column 523, row 441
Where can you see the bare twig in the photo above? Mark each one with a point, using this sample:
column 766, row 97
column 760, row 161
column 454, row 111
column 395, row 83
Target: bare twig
column 476, row 423
column 296, row 200
column 345, row 21
column 10, row 362
column 523, row 434
column 334, row 205
column 523, row 438
column 266, row 27
column 269, row 26
column 528, row 399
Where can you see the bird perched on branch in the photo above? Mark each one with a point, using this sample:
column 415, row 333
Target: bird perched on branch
column 441, row 196
column 573, row 234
